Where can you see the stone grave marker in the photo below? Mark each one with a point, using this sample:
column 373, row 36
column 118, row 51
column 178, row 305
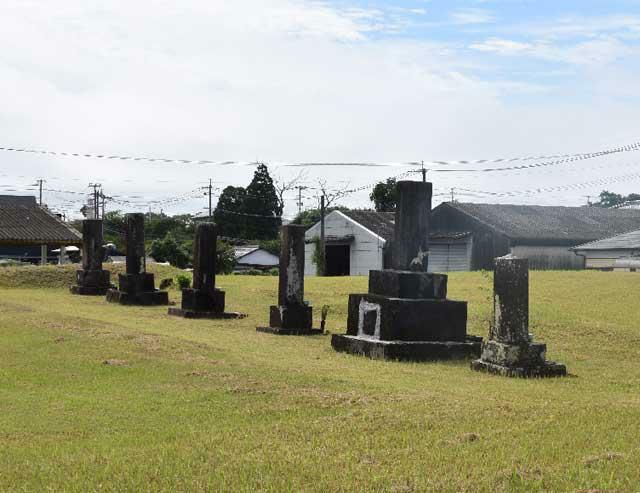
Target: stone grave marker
column 92, row 279
column 136, row 286
column 510, row 350
column 204, row 300
column 406, row 314
column 292, row 315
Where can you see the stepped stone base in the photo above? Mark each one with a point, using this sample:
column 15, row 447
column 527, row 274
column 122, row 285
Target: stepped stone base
column 548, row 369
column 407, row 350
column 181, row 312
column 280, row 331
column 89, row 290
column 144, row 298
column 92, row 282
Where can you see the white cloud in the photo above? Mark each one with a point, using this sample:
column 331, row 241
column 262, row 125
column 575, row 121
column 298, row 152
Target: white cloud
column 277, row 80
column 472, row 16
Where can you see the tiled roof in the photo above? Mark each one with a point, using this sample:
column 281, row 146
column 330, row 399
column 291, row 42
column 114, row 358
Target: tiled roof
column 571, row 225
column 380, row 223
column 23, row 222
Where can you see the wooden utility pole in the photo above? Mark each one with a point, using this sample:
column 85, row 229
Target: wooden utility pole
column 300, row 204
column 96, row 200
column 210, row 194
column 322, row 239
column 424, row 173
column 39, row 183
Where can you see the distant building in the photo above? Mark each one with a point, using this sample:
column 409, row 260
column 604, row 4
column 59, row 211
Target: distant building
column 620, row 252
column 469, row 236
column 30, row 233
column 253, row 257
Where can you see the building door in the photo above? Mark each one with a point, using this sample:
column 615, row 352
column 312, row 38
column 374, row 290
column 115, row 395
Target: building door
column 337, row 260
column 449, row 257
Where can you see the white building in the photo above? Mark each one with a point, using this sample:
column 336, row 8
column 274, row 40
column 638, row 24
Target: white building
column 254, row 257
column 620, row 252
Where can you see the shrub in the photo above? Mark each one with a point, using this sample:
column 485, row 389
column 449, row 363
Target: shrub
column 184, row 281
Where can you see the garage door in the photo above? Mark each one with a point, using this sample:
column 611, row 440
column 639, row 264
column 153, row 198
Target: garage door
column 449, row 257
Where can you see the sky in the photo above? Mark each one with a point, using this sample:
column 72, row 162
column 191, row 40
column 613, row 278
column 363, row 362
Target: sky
column 300, row 81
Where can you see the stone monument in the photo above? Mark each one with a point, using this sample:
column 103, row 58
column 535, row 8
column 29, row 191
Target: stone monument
column 510, row 350
column 406, row 314
column 204, row 300
column 136, row 286
column 92, row 279
column 292, row 315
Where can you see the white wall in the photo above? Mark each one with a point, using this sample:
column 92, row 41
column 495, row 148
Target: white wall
column 365, row 249
column 549, row 257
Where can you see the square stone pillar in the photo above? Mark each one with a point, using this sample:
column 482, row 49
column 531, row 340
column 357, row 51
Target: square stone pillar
column 292, row 315
column 510, row 350
column 411, row 232
column 136, row 286
column 204, row 300
column 92, row 279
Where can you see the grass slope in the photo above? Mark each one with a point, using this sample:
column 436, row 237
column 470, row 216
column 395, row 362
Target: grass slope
column 214, row 406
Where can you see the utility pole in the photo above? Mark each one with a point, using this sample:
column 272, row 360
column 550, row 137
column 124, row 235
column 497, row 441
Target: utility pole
column 103, row 200
column 39, row 183
column 322, row 239
column 210, row 194
column 96, row 199
column 452, row 197
column 424, row 173
column 300, row 204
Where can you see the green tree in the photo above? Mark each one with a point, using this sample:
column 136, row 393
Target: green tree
column 385, row 195
column 312, row 216
column 225, row 258
column 262, row 207
column 609, row 199
column 229, row 212
column 170, row 250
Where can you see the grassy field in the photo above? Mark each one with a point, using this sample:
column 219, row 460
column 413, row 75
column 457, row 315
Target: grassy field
column 214, row 406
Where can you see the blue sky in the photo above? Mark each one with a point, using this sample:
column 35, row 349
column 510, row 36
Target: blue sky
column 287, row 81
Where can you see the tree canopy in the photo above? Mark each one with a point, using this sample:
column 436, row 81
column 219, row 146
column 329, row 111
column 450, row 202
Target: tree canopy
column 385, row 195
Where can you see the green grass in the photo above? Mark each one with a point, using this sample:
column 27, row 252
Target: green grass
column 214, row 406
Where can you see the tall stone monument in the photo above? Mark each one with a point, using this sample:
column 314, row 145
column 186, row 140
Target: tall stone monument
column 92, row 279
column 406, row 314
column 292, row 315
column 204, row 300
column 510, row 350
column 136, row 286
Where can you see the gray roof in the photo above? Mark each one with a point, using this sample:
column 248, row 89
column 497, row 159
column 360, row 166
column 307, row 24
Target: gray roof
column 549, row 224
column 24, row 222
column 380, row 223
column 626, row 241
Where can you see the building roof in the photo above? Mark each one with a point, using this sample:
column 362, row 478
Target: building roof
column 243, row 250
column 549, row 224
column 24, row 222
column 380, row 223
column 626, row 241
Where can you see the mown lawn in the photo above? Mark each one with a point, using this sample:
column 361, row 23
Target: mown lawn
column 214, row 406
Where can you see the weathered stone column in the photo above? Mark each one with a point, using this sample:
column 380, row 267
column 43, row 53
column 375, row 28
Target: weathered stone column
column 292, row 315
column 411, row 234
column 510, row 350
column 135, row 251
column 136, row 286
column 204, row 257
column 291, row 280
column 510, row 301
column 92, row 279
column 204, row 300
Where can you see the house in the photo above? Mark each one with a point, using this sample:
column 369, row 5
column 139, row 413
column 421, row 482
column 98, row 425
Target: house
column 359, row 241
column 468, row 236
column 253, row 257
column 543, row 234
column 620, row 252
column 30, row 233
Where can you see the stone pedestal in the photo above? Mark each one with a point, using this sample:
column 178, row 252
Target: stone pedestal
column 136, row 287
column 204, row 300
column 293, row 316
column 510, row 350
column 406, row 316
column 92, row 280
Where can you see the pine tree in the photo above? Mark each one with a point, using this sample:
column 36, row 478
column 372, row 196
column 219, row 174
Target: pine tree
column 262, row 207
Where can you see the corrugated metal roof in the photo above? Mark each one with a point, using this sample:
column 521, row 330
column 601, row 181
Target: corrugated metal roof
column 241, row 251
column 570, row 225
column 626, row 241
column 23, row 222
